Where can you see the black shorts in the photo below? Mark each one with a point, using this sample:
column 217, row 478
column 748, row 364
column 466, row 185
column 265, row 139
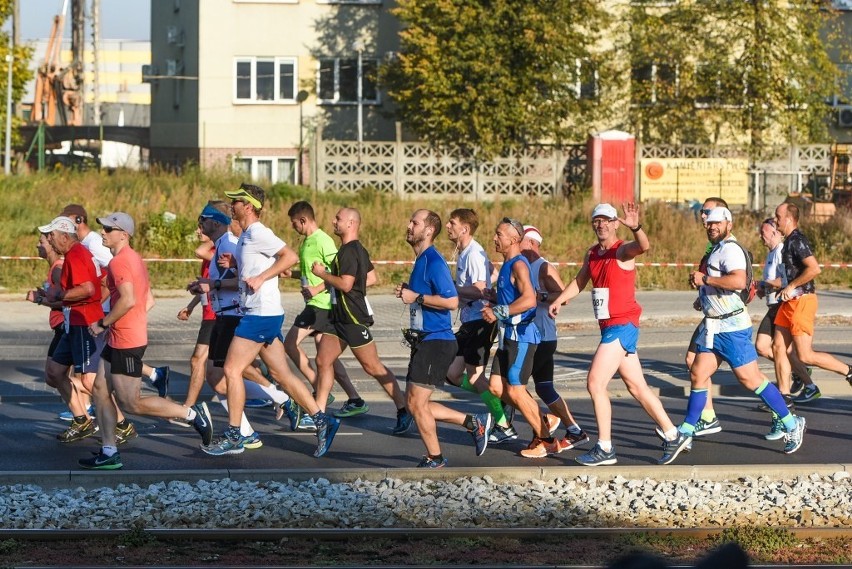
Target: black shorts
column 221, row 337
column 514, row 362
column 355, row 335
column 205, row 331
column 430, row 360
column 124, row 361
column 475, row 339
column 79, row 348
column 313, row 318
column 542, row 368
column 767, row 325
column 57, row 334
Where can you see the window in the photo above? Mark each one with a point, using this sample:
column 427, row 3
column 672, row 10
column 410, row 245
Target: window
column 587, row 80
column 653, row 83
column 719, row 86
column 338, row 81
column 270, row 169
column 265, row 80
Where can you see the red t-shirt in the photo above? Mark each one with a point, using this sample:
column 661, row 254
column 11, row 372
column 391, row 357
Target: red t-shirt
column 56, row 317
column 207, row 308
column 131, row 330
column 606, row 273
column 79, row 268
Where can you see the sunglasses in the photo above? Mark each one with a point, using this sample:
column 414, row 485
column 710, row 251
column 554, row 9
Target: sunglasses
column 235, row 202
column 516, row 225
column 108, row 229
column 706, row 211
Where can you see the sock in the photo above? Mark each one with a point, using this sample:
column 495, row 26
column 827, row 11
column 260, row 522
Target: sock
column 121, row 424
column 548, row 440
column 245, row 427
column 401, row 411
column 233, row 432
column 466, row 384
column 190, row 414
column 109, row 450
column 357, row 401
column 81, row 419
column 255, row 390
column 271, row 392
column 492, row 402
column 708, row 415
column 437, row 457
column 468, row 422
column 574, row 429
column 774, row 400
column 606, row 446
column 694, row 407
column 153, row 374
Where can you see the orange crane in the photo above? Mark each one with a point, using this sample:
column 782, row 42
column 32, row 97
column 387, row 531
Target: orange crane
column 57, row 88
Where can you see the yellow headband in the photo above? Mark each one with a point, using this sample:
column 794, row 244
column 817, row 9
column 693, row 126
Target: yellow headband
column 241, row 193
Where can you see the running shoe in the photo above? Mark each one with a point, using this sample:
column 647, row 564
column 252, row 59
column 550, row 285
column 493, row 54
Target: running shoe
column 573, row 440
column 481, row 429
column 403, row 422
column 849, row 376
column 351, row 409
column 229, row 443
column 306, row 424
column 161, row 382
column 252, row 441
column 552, row 422
column 68, row 416
column 122, row 435
column 672, row 448
column 809, row 393
column 78, row 431
column 776, row 431
column 539, row 448
column 257, row 403
column 704, row 428
column 180, row 422
column 203, row 423
column 793, row 439
column 293, row 412
column 432, row 463
column 326, row 429
column 100, row 461
column 597, row 457
column 502, row 434
column 797, row 385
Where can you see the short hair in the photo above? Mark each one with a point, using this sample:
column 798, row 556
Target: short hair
column 222, row 207
column 255, row 191
column 466, row 216
column 793, row 210
column 769, row 221
column 301, row 208
column 718, row 201
column 433, row 220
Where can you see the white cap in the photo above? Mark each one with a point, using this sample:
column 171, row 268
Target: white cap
column 532, row 232
column 604, row 210
column 61, row 223
column 719, row 214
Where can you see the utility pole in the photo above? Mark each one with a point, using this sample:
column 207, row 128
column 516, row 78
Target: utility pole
column 7, row 149
column 96, row 48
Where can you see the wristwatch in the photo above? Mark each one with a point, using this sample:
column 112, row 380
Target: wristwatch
column 419, row 300
column 217, row 284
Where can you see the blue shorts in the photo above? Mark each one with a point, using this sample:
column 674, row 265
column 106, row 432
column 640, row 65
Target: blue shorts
column 79, row 348
column 626, row 334
column 260, row 329
column 733, row 347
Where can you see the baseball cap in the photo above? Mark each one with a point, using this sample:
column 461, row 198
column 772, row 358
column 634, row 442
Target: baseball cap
column 73, row 210
column 119, row 220
column 62, row 223
column 531, row 232
column 719, row 214
column 604, row 210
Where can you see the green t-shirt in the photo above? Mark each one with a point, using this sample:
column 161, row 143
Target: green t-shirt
column 318, row 246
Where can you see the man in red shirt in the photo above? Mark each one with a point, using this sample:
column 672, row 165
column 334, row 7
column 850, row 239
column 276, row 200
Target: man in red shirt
column 127, row 339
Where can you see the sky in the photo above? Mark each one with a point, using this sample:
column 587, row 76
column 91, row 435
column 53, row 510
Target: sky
column 120, row 19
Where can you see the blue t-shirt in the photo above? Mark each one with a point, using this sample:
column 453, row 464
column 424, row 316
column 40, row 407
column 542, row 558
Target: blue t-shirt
column 430, row 276
column 520, row 327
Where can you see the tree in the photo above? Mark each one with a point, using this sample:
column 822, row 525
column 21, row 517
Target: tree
column 21, row 74
column 748, row 70
column 486, row 76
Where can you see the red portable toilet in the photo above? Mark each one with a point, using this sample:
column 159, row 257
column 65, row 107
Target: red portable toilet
column 612, row 162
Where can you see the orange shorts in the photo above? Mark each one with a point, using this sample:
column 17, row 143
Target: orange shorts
column 798, row 315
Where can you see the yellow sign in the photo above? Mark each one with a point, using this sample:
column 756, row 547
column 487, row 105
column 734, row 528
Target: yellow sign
column 680, row 179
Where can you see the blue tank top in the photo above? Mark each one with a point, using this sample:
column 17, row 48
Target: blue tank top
column 520, row 327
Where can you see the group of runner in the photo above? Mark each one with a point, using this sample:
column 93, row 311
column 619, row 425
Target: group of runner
column 100, row 353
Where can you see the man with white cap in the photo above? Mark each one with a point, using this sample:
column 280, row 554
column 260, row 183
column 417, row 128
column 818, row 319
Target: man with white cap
column 725, row 333
column 610, row 266
column 547, row 282
column 126, row 326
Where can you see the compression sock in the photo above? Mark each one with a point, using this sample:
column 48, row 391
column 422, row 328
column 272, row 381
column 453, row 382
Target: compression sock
column 245, row 427
column 775, row 401
column 697, row 400
column 271, row 392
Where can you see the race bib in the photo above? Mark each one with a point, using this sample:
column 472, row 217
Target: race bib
column 415, row 315
column 600, row 303
column 66, row 319
column 711, row 328
column 370, row 309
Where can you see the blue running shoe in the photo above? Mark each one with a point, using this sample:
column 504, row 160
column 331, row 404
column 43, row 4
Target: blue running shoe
column 252, row 441
column 597, row 457
column 257, row 403
column 162, row 380
column 306, row 424
column 432, row 463
column 403, row 422
column 293, row 412
column 326, row 429
column 231, row 442
column 68, row 416
column 793, row 439
column 203, row 423
column 481, row 430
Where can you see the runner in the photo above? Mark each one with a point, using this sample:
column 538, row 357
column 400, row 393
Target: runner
column 127, row 340
column 611, row 267
column 351, row 317
column 430, row 295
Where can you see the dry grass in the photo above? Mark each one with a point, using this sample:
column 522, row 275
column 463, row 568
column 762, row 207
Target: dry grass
column 675, row 235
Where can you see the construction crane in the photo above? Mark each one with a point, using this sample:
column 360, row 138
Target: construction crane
column 58, row 90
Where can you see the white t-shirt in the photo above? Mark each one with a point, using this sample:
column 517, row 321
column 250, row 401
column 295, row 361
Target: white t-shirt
column 472, row 266
column 223, row 300
column 772, row 269
column 256, row 251
column 724, row 259
column 101, row 255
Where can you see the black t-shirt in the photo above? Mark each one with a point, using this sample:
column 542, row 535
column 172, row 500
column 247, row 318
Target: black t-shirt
column 796, row 249
column 351, row 307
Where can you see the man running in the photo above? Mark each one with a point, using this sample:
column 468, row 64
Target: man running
column 430, row 295
column 611, row 267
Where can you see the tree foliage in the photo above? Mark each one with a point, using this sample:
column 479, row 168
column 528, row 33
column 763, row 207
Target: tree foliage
column 485, row 76
column 21, row 73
